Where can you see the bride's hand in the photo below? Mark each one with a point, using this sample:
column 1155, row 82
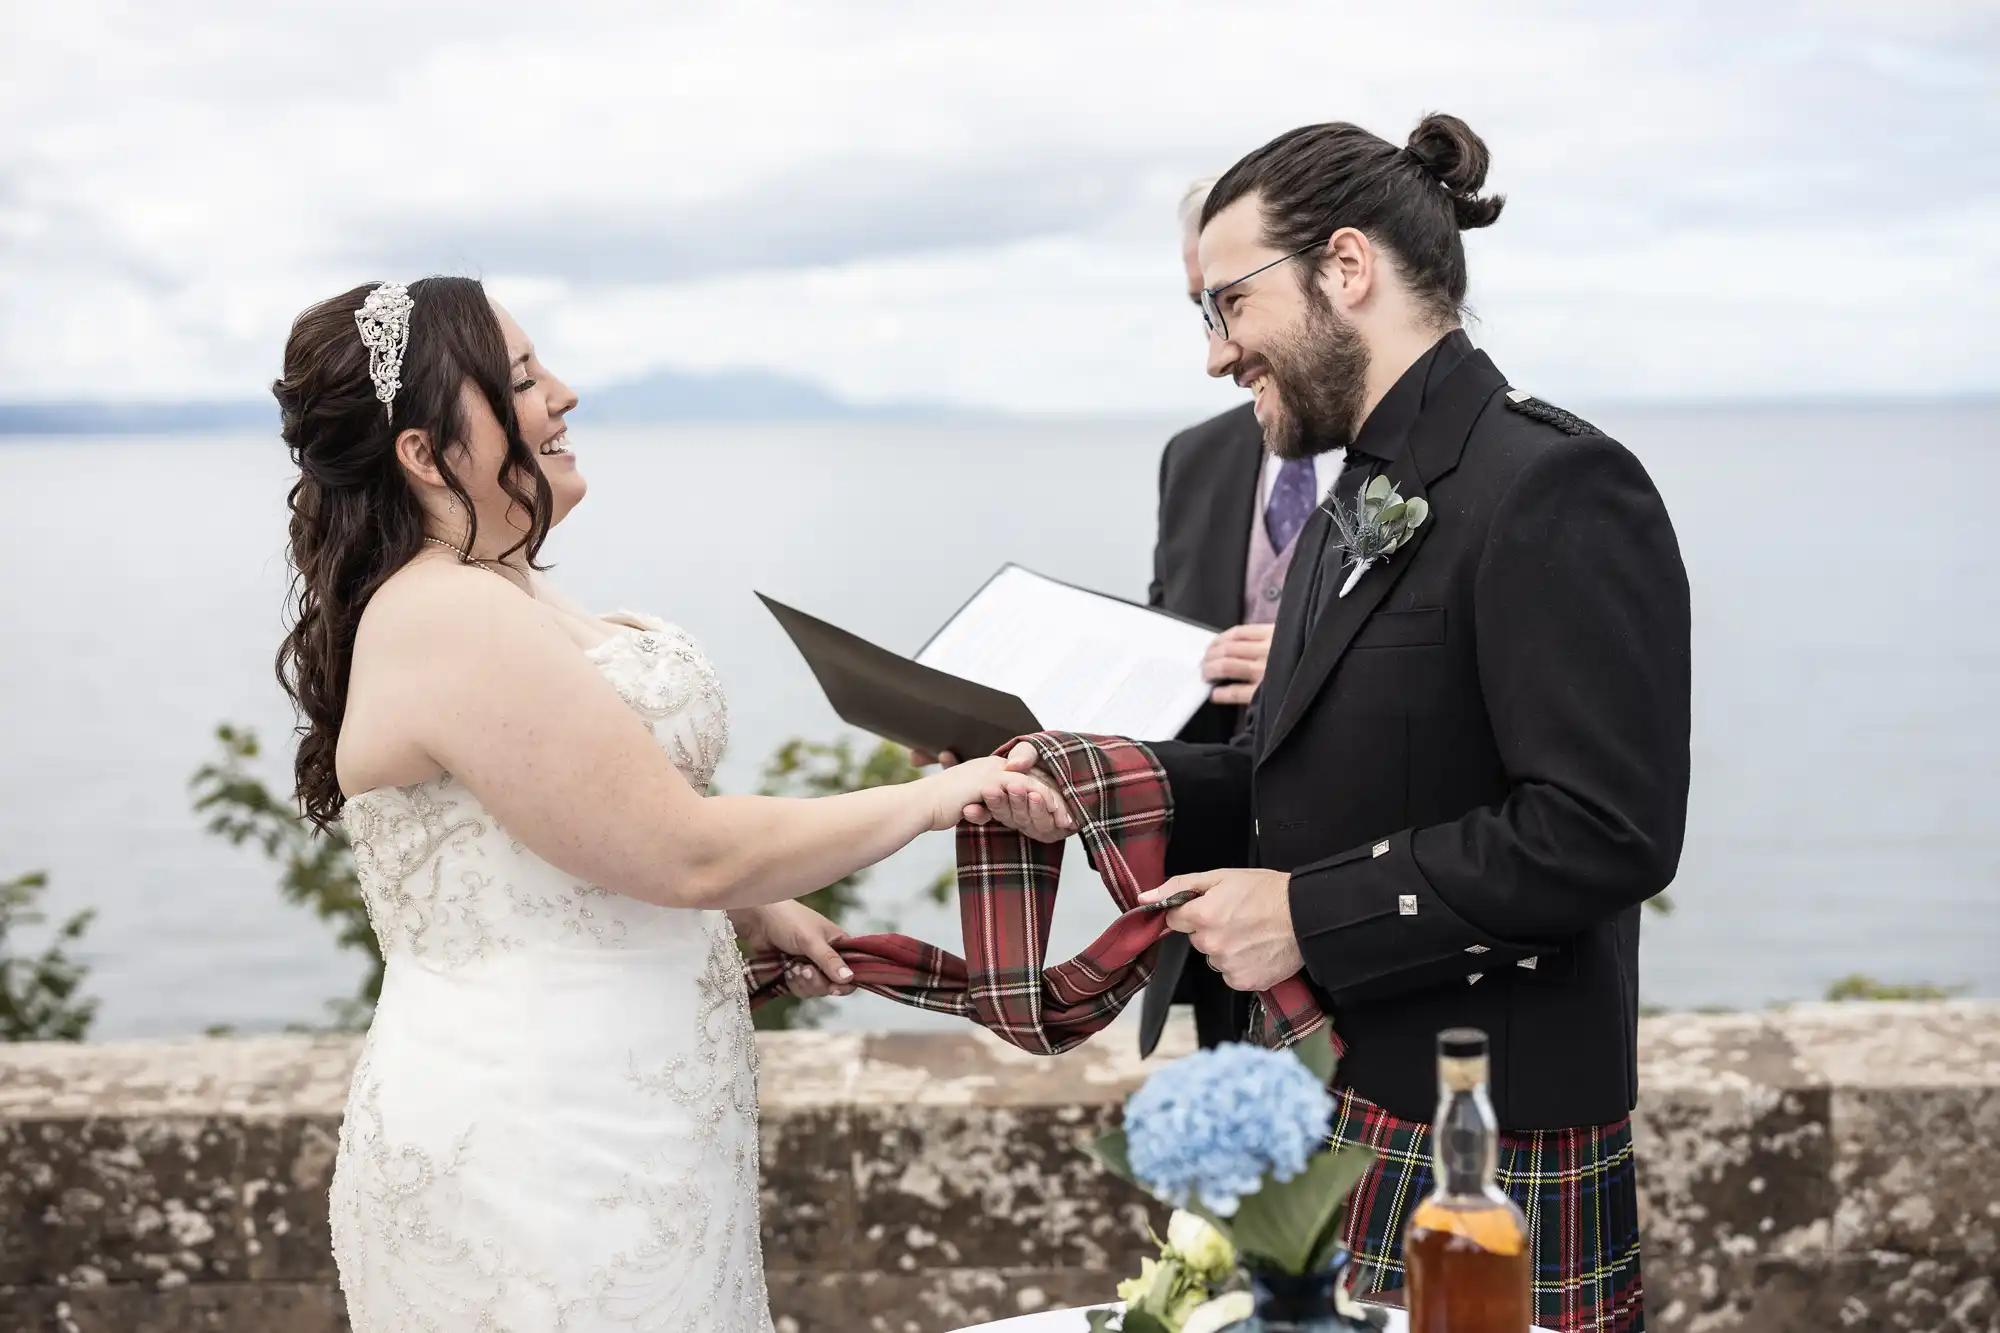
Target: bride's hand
column 796, row 930
column 1012, row 792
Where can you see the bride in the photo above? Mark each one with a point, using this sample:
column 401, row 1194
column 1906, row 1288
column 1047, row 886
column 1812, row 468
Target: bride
column 553, row 1124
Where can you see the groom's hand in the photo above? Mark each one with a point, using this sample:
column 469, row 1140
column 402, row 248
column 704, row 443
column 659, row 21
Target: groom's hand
column 1242, row 921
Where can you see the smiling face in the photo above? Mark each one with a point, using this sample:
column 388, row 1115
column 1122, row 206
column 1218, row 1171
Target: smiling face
column 1305, row 364
column 541, row 403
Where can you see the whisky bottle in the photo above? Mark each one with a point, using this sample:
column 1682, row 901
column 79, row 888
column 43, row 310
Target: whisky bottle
column 1466, row 1252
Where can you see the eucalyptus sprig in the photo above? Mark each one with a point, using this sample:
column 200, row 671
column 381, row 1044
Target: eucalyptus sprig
column 1380, row 523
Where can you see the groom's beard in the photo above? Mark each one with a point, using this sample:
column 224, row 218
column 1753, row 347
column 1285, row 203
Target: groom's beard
column 1320, row 372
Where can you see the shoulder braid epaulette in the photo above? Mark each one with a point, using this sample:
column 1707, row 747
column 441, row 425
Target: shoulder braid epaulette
column 1569, row 423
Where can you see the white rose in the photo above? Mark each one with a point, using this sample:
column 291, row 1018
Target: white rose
column 1230, row 1308
column 1200, row 1245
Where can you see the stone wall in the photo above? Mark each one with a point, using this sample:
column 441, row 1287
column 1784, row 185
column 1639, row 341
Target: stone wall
column 1824, row 1167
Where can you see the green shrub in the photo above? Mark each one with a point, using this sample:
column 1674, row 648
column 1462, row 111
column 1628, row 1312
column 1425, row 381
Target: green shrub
column 39, row 994
column 1861, row 986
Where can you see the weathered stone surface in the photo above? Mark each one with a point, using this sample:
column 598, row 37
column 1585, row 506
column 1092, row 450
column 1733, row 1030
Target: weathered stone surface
column 219, row 1307
column 1823, row 1167
column 938, row 1298
column 943, row 1152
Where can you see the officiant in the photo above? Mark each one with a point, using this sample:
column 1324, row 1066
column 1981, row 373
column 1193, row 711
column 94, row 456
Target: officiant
column 1467, row 765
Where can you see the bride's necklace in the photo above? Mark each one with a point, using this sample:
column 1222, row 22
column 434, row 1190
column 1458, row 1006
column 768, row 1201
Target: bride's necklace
column 486, row 565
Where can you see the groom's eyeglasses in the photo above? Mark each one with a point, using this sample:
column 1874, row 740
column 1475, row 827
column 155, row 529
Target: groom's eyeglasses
column 1211, row 313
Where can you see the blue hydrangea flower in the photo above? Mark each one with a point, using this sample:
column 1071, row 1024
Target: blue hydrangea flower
column 1210, row 1125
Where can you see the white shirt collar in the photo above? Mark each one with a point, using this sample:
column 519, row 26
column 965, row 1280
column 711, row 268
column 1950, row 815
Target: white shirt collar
column 1327, row 468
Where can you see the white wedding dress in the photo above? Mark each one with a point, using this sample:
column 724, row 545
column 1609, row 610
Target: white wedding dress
column 553, row 1124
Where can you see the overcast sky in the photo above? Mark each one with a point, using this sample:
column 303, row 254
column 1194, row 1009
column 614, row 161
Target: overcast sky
column 974, row 203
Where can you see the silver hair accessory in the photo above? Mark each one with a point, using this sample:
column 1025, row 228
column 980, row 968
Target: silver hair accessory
column 384, row 321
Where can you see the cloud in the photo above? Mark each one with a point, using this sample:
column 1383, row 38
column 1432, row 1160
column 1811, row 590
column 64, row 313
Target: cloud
column 816, row 217
column 912, row 200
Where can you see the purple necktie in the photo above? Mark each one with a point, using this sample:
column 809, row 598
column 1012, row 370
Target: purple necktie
column 1293, row 497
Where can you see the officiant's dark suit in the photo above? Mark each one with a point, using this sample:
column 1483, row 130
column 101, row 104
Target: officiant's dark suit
column 1208, row 490
column 1475, row 764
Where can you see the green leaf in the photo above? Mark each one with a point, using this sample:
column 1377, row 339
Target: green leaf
column 1350, row 1164
column 1392, row 514
column 1100, row 1321
column 1283, row 1222
column 1379, row 487
column 1138, row 1321
column 1110, row 1149
column 1415, row 511
column 1315, row 1051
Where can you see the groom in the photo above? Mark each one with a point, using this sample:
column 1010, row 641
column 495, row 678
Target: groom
column 1468, row 762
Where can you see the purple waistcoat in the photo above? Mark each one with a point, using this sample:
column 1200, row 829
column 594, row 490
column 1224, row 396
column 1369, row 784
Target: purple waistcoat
column 1264, row 572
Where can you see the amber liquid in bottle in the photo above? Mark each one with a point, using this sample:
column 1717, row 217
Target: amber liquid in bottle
column 1466, row 1253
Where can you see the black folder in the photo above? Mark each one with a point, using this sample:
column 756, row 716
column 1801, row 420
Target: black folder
column 906, row 702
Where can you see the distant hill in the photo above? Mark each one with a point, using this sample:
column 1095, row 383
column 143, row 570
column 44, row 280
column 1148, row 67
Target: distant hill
column 662, row 396
column 736, row 395
column 89, row 418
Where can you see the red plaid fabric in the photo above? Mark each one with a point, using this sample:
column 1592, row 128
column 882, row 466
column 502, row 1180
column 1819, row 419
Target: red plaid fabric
column 1578, row 1188
column 1006, row 897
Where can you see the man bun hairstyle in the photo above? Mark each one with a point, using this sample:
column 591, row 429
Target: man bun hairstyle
column 1411, row 201
column 1456, row 158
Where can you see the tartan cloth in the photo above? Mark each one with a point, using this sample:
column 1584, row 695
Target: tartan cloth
column 1006, row 897
column 1578, row 1188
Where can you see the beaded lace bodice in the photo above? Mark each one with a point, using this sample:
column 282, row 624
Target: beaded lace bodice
column 442, row 887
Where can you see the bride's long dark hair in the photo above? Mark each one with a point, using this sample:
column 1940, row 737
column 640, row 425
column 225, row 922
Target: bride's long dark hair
column 355, row 520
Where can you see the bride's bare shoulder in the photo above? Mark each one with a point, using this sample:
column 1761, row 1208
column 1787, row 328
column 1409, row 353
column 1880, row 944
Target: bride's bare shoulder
column 442, row 607
column 409, row 630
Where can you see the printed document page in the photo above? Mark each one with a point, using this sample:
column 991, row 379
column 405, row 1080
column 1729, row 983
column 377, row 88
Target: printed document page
column 1081, row 661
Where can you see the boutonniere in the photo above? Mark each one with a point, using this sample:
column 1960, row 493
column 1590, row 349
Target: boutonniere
column 1378, row 526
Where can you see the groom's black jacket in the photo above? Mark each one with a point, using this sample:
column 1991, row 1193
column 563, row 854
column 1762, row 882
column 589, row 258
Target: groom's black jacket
column 1475, row 765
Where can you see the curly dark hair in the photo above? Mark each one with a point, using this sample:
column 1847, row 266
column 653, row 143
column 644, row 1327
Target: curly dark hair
column 1412, row 201
column 355, row 519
